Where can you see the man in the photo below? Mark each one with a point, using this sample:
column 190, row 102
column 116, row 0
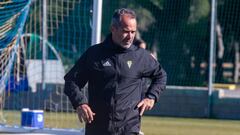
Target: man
column 113, row 70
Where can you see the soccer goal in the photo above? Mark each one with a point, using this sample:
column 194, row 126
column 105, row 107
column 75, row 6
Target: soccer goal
column 40, row 40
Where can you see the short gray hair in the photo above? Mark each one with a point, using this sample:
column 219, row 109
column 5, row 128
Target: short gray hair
column 117, row 16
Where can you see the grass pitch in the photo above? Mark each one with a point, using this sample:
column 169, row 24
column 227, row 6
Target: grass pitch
column 189, row 126
column 150, row 125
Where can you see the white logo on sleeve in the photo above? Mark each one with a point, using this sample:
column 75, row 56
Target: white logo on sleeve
column 106, row 64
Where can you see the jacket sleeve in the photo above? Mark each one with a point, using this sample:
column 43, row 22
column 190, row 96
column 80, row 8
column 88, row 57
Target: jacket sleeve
column 75, row 80
column 158, row 76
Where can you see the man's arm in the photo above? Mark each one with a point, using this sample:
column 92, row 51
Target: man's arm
column 154, row 71
column 158, row 76
column 75, row 80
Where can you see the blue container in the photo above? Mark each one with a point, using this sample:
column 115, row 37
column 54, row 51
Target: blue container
column 32, row 118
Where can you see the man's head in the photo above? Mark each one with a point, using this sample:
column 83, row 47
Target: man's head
column 123, row 27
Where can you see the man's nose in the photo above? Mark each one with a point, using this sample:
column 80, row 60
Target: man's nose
column 130, row 35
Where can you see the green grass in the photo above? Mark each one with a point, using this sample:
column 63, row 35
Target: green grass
column 51, row 120
column 188, row 126
column 150, row 125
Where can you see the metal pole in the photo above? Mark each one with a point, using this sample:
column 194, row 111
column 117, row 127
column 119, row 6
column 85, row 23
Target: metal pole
column 212, row 54
column 236, row 70
column 97, row 21
column 44, row 47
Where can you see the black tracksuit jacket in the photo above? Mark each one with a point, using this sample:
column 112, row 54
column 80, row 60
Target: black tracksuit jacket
column 114, row 76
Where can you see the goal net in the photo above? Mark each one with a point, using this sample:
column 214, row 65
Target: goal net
column 13, row 16
column 39, row 55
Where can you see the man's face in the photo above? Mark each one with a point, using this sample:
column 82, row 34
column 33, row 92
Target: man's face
column 124, row 35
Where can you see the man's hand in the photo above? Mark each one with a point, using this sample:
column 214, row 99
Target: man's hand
column 145, row 104
column 85, row 113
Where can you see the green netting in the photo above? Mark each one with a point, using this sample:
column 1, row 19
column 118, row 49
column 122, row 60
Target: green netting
column 228, row 37
column 68, row 27
column 179, row 32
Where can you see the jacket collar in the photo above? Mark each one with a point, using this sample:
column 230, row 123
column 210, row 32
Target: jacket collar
column 108, row 43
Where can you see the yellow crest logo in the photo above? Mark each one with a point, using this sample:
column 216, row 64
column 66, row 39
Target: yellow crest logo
column 129, row 63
